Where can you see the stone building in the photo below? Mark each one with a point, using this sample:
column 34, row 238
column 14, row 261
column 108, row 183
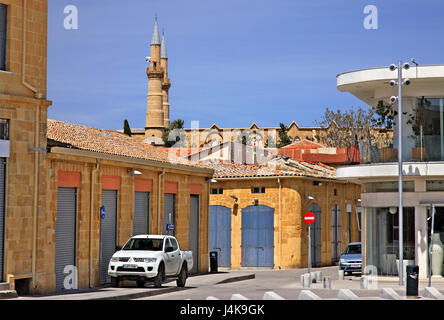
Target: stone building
column 256, row 214
column 23, row 113
column 141, row 188
column 68, row 193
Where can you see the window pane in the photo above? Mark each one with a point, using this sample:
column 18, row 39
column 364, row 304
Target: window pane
column 3, row 15
column 388, row 186
column 427, row 125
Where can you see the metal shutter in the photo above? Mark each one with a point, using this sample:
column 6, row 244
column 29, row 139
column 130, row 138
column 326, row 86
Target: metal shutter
column 316, row 240
column 220, row 234
column 169, row 213
column 257, row 236
column 336, row 233
column 2, row 214
column 108, row 230
column 141, row 213
column 65, row 236
column 193, row 242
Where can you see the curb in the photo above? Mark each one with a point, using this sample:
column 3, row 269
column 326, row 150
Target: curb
column 8, row 294
column 143, row 294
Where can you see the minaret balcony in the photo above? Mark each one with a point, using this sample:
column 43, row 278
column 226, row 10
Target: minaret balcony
column 154, row 73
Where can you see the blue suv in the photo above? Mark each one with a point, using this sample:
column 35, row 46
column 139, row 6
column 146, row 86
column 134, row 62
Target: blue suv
column 351, row 258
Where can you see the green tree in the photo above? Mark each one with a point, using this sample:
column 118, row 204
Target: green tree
column 126, row 128
column 284, row 140
column 177, row 132
column 386, row 115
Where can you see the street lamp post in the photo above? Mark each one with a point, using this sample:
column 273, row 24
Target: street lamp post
column 393, row 99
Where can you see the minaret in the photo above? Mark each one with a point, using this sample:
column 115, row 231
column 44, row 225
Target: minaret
column 166, row 82
column 155, row 127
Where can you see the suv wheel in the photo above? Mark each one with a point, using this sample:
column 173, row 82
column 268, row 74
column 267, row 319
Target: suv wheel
column 115, row 282
column 140, row 283
column 183, row 275
column 160, row 276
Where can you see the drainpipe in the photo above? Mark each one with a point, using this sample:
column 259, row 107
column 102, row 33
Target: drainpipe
column 27, row 85
column 159, row 221
column 35, row 195
column 91, row 216
column 36, row 155
column 280, row 223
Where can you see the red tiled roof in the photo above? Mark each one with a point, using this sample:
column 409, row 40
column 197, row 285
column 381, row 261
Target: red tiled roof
column 107, row 141
column 273, row 168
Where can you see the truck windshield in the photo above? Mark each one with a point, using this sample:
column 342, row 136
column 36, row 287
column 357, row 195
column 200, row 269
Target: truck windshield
column 144, row 244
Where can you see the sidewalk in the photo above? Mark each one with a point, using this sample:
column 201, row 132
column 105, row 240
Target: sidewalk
column 127, row 292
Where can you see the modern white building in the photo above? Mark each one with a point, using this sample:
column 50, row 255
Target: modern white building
column 423, row 170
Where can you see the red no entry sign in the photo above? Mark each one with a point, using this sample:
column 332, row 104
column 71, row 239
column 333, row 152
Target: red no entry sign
column 309, row 218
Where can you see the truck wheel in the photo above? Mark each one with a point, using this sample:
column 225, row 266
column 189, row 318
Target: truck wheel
column 182, row 279
column 160, row 276
column 115, row 282
column 140, row 283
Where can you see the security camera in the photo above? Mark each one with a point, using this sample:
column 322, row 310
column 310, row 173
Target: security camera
column 406, row 82
column 406, row 66
column 392, row 67
column 392, row 83
column 393, row 99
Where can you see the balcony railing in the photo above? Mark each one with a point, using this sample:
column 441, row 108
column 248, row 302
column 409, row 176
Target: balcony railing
column 431, row 149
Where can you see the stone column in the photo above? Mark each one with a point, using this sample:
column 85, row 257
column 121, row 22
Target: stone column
column 421, row 240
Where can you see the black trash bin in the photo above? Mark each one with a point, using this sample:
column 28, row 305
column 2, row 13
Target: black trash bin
column 412, row 280
column 213, row 261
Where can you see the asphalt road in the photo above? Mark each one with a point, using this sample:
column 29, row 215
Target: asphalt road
column 285, row 283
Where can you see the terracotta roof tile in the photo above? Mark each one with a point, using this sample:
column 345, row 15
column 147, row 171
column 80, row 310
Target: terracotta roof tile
column 275, row 167
column 109, row 142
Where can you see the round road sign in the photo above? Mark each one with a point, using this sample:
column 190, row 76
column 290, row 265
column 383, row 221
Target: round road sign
column 309, row 218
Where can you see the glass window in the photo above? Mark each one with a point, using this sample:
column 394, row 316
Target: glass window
column 217, row 191
column 388, row 186
column 4, row 129
column 174, row 244
column 434, row 185
column 258, row 190
column 144, row 244
column 382, row 243
column 3, row 16
column 353, row 249
column 427, row 123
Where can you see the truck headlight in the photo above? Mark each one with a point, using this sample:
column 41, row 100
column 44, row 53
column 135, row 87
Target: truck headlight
column 114, row 259
column 343, row 261
column 150, row 260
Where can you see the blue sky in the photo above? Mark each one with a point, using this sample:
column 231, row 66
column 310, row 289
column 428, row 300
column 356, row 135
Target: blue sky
column 231, row 62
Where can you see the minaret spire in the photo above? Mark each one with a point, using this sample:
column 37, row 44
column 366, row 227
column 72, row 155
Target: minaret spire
column 156, row 37
column 163, row 49
column 154, row 127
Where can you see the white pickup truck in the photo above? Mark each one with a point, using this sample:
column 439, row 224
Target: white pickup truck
column 150, row 258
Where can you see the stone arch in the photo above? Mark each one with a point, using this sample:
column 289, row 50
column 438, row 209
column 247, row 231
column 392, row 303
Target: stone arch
column 213, row 138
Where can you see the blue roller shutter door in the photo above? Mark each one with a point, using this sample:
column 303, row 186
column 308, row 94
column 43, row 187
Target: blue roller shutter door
column 220, row 234
column 108, row 233
column 258, row 236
